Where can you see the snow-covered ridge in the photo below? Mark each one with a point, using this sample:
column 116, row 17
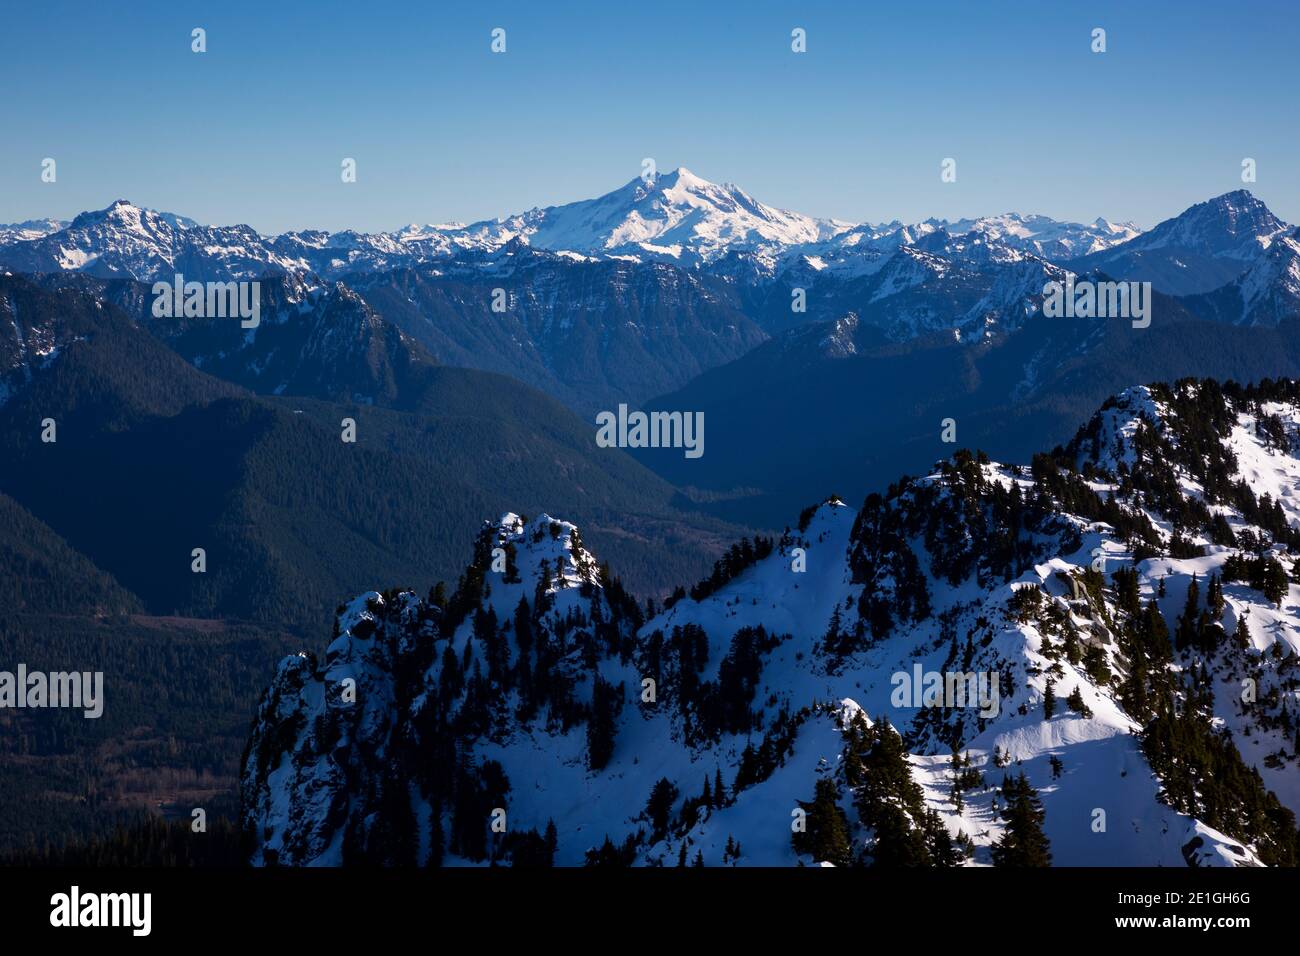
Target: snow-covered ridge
column 605, row 735
column 975, row 278
column 676, row 217
column 1236, row 224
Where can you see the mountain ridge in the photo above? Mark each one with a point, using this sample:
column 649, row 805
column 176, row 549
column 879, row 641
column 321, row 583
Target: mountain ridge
column 674, row 217
column 538, row 680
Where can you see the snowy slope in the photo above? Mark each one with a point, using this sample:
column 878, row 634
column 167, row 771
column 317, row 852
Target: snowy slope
column 1203, row 248
column 760, row 677
column 1266, row 294
column 676, row 216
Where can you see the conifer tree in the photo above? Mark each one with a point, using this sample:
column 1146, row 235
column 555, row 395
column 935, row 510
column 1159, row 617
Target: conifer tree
column 826, row 838
column 1187, row 632
column 552, row 841
column 834, row 641
column 542, row 599
column 1024, row 843
column 1214, row 597
column 659, row 807
column 1094, row 664
column 1241, row 636
column 606, row 701
column 523, row 627
column 1075, row 700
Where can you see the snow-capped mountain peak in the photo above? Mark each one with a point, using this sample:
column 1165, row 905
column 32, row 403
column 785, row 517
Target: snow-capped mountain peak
column 675, row 215
column 1047, row 237
column 1234, row 224
column 1202, row 249
column 124, row 214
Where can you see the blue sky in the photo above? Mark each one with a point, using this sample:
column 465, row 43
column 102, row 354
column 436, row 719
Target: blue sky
column 254, row 130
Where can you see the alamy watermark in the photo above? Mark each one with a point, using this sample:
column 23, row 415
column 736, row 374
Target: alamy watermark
column 651, row 430
column 133, row 911
column 208, row 300
column 38, row 689
column 1086, row 299
column 947, row 689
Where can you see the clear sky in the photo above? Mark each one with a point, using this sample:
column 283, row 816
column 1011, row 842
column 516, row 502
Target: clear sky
column 254, row 129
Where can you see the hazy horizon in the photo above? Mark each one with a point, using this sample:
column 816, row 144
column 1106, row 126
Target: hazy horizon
column 1024, row 213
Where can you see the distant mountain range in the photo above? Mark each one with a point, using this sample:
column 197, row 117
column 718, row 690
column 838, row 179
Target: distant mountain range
column 675, row 217
column 971, row 276
column 678, row 292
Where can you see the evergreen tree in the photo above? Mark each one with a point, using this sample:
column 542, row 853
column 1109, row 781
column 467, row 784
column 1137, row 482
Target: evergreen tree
column 1214, row 597
column 834, row 640
column 450, row 680
column 523, row 628
column 542, row 599
column 1075, row 700
column 606, row 702
column 730, row 849
column 1241, row 636
column 1024, row 843
column 1186, row 633
column 892, row 805
column 552, row 841
column 826, row 837
column 659, row 808
column 1095, row 665
column 613, row 856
